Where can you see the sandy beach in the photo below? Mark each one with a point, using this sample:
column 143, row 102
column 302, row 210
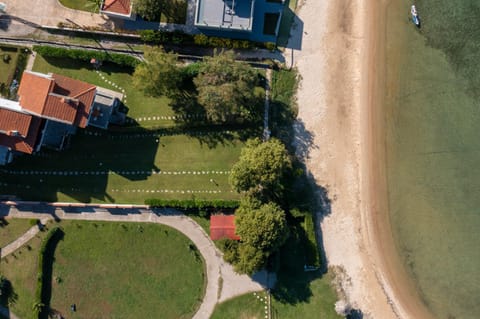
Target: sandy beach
column 342, row 65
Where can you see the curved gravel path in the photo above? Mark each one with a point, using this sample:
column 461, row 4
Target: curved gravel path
column 222, row 282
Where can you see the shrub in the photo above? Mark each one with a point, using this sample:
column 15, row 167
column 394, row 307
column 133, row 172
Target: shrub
column 160, row 37
column 87, row 55
column 178, row 37
column 311, row 251
column 270, row 46
column 229, row 249
column 191, row 70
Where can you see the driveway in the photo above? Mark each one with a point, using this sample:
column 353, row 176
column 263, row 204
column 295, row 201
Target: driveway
column 34, row 13
column 222, row 281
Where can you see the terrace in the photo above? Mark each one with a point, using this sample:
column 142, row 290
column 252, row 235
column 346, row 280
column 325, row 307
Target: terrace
column 225, row 14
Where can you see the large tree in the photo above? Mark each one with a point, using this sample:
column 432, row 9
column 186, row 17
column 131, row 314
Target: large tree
column 262, row 230
column 148, row 9
column 261, row 168
column 158, row 74
column 226, row 88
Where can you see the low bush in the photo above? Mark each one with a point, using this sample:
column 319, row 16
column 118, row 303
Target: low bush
column 160, row 37
column 229, row 249
column 178, row 37
column 311, row 251
column 191, row 70
column 87, row 55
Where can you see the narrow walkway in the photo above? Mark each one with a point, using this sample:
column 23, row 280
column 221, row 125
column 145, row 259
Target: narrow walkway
column 31, row 61
column 222, row 282
column 22, row 240
column 266, row 131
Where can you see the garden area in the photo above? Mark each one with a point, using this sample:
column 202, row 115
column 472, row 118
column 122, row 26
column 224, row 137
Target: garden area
column 160, row 152
column 319, row 305
column 11, row 229
column 12, row 63
column 168, row 11
column 111, row 270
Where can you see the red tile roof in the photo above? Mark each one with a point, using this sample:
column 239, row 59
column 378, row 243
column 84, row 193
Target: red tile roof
column 33, row 91
column 57, row 97
column 19, row 143
column 222, row 226
column 117, row 6
column 80, row 91
column 11, row 121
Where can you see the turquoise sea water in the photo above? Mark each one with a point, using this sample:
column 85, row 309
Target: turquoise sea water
column 433, row 150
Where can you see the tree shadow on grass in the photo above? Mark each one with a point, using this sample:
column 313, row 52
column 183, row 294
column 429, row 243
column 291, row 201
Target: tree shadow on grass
column 47, row 266
column 293, row 283
column 8, row 296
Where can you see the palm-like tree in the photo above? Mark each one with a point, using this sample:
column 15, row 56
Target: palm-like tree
column 38, row 307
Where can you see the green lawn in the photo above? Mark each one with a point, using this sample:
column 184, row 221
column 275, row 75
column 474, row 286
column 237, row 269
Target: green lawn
column 154, row 158
column 248, row 306
column 114, row 270
column 84, row 5
column 11, row 229
column 320, row 305
column 21, row 269
column 140, row 106
column 7, row 68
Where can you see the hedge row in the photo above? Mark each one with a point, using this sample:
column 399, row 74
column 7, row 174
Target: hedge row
column 312, row 252
column 86, row 55
column 42, row 294
column 160, row 37
column 192, row 204
column 177, row 37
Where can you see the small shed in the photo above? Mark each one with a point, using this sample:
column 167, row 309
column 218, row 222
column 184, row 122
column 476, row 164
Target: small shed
column 223, row 226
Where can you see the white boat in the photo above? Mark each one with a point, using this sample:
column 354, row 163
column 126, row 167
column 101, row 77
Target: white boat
column 415, row 17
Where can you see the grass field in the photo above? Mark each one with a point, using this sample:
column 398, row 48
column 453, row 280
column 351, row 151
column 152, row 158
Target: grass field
column 113, row 270
column 149, row 157
column 320, row 305
column 11, row 229
column 248, row 306
column 84, row 5
column 7, row 68
column 21, row 269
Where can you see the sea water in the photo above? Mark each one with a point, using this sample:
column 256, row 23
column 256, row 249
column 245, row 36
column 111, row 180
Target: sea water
column 432, row 112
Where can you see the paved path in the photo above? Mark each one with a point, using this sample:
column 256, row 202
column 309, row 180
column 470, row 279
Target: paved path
column 35, row 13
column 22, row 240
column 222, row 282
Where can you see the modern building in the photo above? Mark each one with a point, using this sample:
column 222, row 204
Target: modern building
column 49, row 110
column 257, row 20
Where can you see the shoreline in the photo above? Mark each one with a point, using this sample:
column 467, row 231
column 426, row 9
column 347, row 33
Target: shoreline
column 398, row 286
column 343, row 113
